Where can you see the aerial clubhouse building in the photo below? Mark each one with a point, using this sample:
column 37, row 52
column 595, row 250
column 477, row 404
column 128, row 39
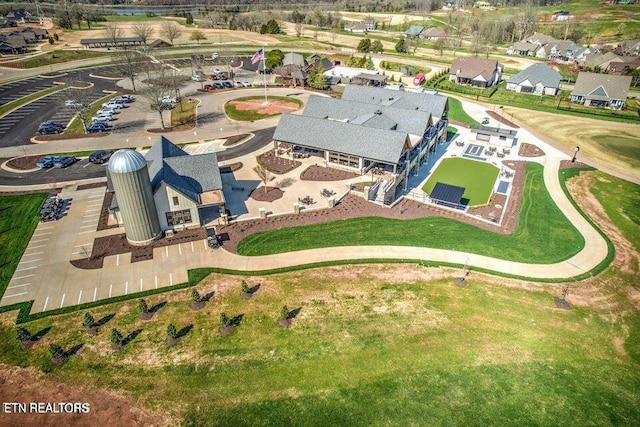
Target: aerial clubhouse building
column 391, row 131
column 167, row 189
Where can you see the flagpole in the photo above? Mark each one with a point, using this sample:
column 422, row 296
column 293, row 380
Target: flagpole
column 264, row 72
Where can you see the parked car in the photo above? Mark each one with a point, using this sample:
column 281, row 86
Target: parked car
column 215, row 55
column 102, row 117
column 246, row 84
column 485, row 121
column 47, row 162
column 73, row 103
column 197, row 78
column 48, row 127
column 237, row 84
column 64, row 161
column 101, row 156
column 227, row 84
column 218, row 85
column 208, row 87
column 217, row 70
column 214, row 77
column 124, row 98
column 97, row 127
column 169, row 99
column 113, row 105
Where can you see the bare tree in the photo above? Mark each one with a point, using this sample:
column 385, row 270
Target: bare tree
column 440, row 44
column 143, row 30
column 78, row 101
column 299, row 29
column 158, row 85
column 170, row 30
column 130, row 63
column 112, row 32
column 263, row 173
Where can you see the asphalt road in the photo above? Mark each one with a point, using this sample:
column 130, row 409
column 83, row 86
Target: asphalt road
column 85, row 170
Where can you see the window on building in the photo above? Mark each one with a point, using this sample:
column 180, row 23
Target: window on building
column 178, row 217
column 344, row 160
column 176, row 202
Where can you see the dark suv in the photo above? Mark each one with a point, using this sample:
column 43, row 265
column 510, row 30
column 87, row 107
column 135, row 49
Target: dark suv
column 50, row 127
column 100, row 156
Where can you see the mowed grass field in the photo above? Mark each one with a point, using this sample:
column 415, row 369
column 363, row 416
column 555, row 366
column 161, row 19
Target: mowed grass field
column 477, row 178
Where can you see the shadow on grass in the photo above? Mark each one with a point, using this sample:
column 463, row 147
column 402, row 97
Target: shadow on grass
column 105, row 319
column 184, row 331
column 293, row 313
column 73, row 350
column 131, row 337
column 207, row 297
column 252, row 290
column 236, row 320
column 157, row 307
column 41, row 333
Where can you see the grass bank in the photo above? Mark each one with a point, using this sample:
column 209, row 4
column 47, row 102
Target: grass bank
column 457, row 113
column 76, row 126
column 56, row 57
column 543, row 234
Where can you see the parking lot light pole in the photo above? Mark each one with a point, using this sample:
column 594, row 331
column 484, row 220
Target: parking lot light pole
column 575, row 154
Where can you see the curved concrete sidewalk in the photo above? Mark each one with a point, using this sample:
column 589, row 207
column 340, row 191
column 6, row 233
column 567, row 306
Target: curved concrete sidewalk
column 594, row 251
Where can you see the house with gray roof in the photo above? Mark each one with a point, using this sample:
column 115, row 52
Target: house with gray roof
column 601, row 90
column 523, row 49
column 391, row 131
column 414, row 31
column 433, row 33
column 477, row 72
column 187, row 189
column 537, row 79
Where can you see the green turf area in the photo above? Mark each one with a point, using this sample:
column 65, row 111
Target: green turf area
column 56, row 57
column 627, row 148
column 18, row 219
column 543, row 234
column 246, row 116
column 477, row 178
column 457, row 113
column 32, row 97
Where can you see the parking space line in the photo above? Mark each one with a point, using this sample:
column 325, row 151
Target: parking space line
column 46, row 301
column 126, row 287
column 95, row 293
column 179, row 249
column 35, row 247
column 156, row 282
column 22, row 277
column 110, row 289
column 85, row 232
column 94, row 210
column 41, row 234
column 30, row 260
column 38, row 241
column 96, row 195
column 166, row 251
column 79, row 297
column 27, row 268
column 87, row 226
column 18, row 286
column 62, row 302
column 117, row 260
column 33, row 253
column 83, row 244
column 193, row 249
column 170, row 279
column 141, row 284
column 46, row 228
column 204, row 243
column 16, row 295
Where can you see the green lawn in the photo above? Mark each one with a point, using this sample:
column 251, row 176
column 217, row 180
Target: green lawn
column 18, row 219
column 627, row 147
column 457, row 113
column 477, row 178
column 247, row 115
column 543, row 234
column 56, row 57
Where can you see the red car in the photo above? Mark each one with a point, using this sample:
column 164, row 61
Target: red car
column 214, row 77
column 208, row 87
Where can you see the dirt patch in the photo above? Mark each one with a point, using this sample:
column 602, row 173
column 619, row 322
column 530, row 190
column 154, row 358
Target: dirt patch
column 266, row 194
column 319, row 173
column 270, row 108
column 568, row 164
column 105, row 407
column 530, row 150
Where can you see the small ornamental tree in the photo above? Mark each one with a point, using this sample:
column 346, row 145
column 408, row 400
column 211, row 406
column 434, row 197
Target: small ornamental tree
column 364, row 45
column 142, row 306
column 55, row 351
column 88, row 321
column 284, row 312
column 23, row 334
column 376, row 46
column 401, row 45
column 172, row 332
column 50, row 38
column 244, row 287
column 195, row 295
column 56, row 37
column 116, row 337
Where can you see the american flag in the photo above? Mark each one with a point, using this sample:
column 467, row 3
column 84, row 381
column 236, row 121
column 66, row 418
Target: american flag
column 258, row 56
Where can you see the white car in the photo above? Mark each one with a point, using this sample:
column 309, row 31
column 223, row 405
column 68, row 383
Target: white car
column 246, row 84
column 112, row 105
column 73, row 103
column 124, row 98
column 238, row 84
column 197, row 78
column 215, row 56
column 168, row 99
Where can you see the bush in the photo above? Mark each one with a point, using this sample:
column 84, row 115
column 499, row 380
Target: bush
column 195, row 295
column 244, row 287
column 142, row 306
column 56, row 351
column 172, row 332
column 88, row 320
column 284, row 312
column 116, row 337
column 23, row 334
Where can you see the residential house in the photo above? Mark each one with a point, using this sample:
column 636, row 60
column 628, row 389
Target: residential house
column 294, row 59
column 433, row 33
column 628, row 48
column 523, row 49
column 561, row 15
column 187, row 189
column 477, row 72
column 537, row 79
column 12, row 44
column 364, row 26
column 624, row 65
column 598, row 62
column 391, row 131
column 601, row 90
column 414, row 31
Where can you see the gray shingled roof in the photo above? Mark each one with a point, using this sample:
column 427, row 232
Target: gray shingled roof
column 433, row 32
column 293, row 59
column 470, row 68
column 537, row 73
column 434, row 104
column 592, row 84
column 410, row 121
column 414, row 31
column 380, row 145
column 189, row 174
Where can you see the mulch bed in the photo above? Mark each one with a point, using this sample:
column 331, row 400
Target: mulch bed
column 58, row 360
column 117, row 244
column 93, row 330
column 562, row 304
column 271, row 194
column 352, row 206
column 90, row 186
column 319, row 173
column 231, row 168
column 146, row 316
column 530, row 150
column 233, row 140
column 195, row 306
column 285, row 323
column 27, row 344
column 277, row 165
column 25, row 162
column 461, row 282
column 50, row 191
column 567, row 164
column 103, row 221
column 226, row 330
column 172, row 341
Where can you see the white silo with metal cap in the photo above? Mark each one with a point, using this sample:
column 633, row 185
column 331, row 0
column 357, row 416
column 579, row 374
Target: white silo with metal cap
column 130, row 179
